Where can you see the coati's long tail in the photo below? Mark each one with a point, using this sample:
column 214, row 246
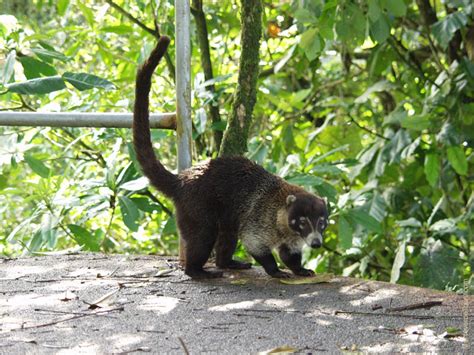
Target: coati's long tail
column 160, row 178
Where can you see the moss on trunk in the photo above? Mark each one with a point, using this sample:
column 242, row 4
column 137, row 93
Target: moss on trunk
column 236, row 134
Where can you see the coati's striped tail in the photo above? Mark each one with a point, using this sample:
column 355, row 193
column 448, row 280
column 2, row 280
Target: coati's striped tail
column 160, row 178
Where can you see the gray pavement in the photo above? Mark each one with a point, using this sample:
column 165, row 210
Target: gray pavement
column 95, row 303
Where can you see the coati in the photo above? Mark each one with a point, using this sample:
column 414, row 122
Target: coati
column 225, row 199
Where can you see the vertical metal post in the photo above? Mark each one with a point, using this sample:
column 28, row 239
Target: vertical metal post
column 183, row 91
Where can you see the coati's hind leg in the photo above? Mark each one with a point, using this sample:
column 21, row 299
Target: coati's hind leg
column 225, row 248
column 199, row 240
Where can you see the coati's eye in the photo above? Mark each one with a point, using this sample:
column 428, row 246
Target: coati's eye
column 322, row 224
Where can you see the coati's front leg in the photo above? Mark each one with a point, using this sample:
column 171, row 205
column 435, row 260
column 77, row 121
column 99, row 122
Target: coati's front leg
column 264, row 257
column 292, row 259
column 225, row 248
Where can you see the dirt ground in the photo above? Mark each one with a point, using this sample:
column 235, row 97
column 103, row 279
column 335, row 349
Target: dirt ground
column 116, row 304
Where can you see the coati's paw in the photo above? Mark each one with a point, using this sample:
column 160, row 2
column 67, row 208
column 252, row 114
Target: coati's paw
column 235, row 264
column 202, row 274
column 281, row 275
column 304, row 272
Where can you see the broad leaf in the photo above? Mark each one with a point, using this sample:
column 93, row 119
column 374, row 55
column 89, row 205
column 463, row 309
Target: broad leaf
column 62, row 6
column 84, row 81
column 432, row 168
column 345, row 233
column 38, row 86
column 398, row 262
column 84, row 238
column 445, row 29
column 416, row 122
column 8, row 68
column 37, row 166
column 396, row 7
column 305, row 180
column 311, row 43
column 366, row 220
column 129, row 212
column 457, row 159
column 34, row 68
column 48, row 55
column 437, row 265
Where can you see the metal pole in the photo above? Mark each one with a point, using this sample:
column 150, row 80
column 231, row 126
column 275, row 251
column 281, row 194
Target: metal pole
column 82, row 119
column 183, row 91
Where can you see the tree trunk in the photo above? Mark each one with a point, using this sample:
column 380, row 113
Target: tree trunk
column 203, row 40
column 236, row 134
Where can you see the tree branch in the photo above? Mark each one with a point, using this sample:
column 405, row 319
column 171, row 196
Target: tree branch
column 154, row 32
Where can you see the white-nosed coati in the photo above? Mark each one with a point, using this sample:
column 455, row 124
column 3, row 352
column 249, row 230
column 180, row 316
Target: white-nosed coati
column 224, row 199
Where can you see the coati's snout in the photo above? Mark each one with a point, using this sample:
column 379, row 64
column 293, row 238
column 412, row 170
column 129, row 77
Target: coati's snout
column 307, row 216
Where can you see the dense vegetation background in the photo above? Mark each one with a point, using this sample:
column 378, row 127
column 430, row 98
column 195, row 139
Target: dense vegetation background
column 367, row 102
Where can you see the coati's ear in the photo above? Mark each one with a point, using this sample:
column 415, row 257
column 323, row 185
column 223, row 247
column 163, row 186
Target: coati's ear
column 325, row 199
column 290, row 199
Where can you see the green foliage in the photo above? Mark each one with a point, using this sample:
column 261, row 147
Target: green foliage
column 358, row 101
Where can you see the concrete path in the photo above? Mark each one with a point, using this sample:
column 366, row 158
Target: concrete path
column 93, row 303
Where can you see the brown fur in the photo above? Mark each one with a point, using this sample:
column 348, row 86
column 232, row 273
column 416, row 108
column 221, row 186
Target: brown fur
column 222, row 200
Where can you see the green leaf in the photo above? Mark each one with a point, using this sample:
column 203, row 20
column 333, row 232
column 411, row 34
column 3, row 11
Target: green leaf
column 84, row 238
column 316, row 279
column 135, row 185
column 49, row 54
column 366, row 220
column 305, row 180
column 84, row 81
column 120, row 29
column 170, row 226
column 38, row 86
column 377, row 207
column 396, row 7
column 416, row 122
column 145, row 204
column 327, row 190
column 374, row 10
column 8, row 68
column 37, row 166
column 382, row 85
column 129, row 212
column 437, row 265
column 36, row 242
column 62, row 6
column 398, row 262
column 380, row 29
column 345, row 233
column 432, row 168
column 351, row 26
column 457, row 159
column 34, row 68
column 311, row 43
column 87, row 12
column 409, row 223
column 444, row 30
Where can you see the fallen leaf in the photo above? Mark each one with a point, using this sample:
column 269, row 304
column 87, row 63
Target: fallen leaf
column 163, row 272
column 104, row 301
column 239, row 282
column 285, row 349
column 320, row 278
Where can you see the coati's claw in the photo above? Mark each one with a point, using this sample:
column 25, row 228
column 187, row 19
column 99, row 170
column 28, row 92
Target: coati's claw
column 236, row 265
column 304, row 272
column 281, row 275
column 202, row 275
